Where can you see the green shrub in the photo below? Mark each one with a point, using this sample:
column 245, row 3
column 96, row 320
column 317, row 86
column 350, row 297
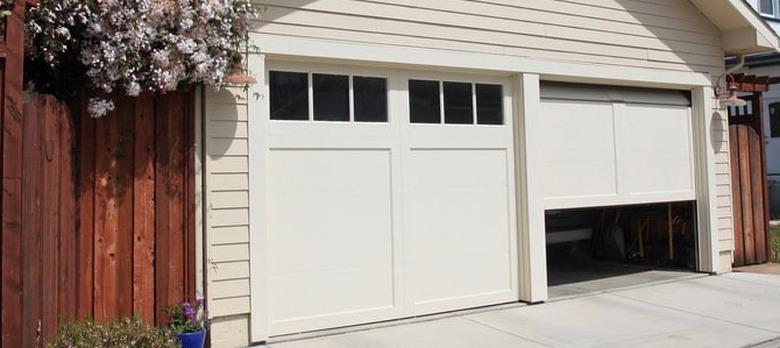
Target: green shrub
column 118, row 333
column 774, row 236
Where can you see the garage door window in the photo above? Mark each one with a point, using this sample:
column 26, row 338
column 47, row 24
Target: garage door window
column 458, row 99
column 331, row 97
column 370, row 99
column 458, row 103
column 334, row 98
column 424, row 104
column 289, row 95
column 489, row 108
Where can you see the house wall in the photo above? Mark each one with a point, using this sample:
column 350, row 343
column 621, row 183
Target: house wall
column 666, row 35
column 227, row 220
column 663, row 34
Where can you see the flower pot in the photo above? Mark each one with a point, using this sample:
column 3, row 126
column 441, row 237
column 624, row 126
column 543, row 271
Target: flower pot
column 192, row 339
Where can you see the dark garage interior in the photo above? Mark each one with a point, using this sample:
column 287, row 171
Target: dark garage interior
column 596, row 249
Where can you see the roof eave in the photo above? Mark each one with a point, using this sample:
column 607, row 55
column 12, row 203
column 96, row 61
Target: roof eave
column 743, row 31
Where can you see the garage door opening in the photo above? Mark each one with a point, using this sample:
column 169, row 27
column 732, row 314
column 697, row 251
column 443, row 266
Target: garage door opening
column 596, row 249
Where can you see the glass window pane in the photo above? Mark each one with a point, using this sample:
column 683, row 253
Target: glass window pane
column 774, row 120
column 766, row 7
column 289, row 95
column 370, row 99
column 424, row 104
column 490, row 108
column 458, row 103
column 331, row 97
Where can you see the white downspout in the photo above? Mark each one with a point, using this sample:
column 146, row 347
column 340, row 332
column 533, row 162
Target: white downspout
column 735, row 67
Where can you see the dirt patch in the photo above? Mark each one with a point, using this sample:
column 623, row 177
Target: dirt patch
column 767, row 268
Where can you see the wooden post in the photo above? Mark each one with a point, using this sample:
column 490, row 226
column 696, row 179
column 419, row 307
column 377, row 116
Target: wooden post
column 11, row 198
column 758, row 107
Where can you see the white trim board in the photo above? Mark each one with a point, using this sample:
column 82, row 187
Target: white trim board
column 289, row 47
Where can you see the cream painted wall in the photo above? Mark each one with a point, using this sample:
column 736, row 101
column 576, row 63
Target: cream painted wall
column 662, row 34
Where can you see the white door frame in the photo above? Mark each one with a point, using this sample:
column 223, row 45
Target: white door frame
column 530, row 197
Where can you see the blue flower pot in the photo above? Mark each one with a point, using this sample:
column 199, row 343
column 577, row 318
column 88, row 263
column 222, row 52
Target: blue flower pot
column 192, row 339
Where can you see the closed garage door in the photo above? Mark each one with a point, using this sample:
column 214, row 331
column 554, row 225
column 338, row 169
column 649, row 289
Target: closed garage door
column 389, row 194
column 615, row 146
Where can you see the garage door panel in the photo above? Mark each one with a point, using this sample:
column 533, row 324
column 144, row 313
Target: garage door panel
column 657, row 153
column 330, row 228
column 579, row 147
column 331, row 284
column 459, row 242
column 457, row 168
column 310, row 222
column 424, row 136
column 440, row 286
column 607, row 146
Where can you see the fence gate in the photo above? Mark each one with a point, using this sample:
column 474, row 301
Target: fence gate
column 749, row 182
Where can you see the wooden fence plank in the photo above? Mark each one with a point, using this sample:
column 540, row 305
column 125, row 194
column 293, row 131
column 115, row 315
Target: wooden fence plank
column 50, row 217
column 757, row 204
column 86, row 211
column 747, row 197
column 11, row 298
column 736, row 189
column 162, row 171
column 189, row 191
column 32, row 224
column 758, row 102
column 144, row 207
column 106, row 222
column 176, row 193
column 67, row 223
column 123, row 197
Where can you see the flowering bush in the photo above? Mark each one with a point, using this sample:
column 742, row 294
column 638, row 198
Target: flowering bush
column 187, row 317
column 119, row 333
column 134, row 45
column 5, row 8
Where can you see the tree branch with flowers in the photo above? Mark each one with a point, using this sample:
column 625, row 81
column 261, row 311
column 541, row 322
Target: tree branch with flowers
column 132, row 46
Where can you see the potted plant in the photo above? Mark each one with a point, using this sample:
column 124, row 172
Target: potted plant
column 187, row 320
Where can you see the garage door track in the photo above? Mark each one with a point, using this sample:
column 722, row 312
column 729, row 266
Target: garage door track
column 732, row 310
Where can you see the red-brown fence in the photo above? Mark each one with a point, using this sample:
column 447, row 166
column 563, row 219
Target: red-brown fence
column 97, row 215
column 107, row 213
column 749, row 183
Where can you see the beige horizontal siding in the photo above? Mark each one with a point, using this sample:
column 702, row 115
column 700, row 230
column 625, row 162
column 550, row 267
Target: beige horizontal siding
column 227, row 169
column 725, row 227
column 230, row 332
column 228, row 235
column 230, row 306
column 671, row 36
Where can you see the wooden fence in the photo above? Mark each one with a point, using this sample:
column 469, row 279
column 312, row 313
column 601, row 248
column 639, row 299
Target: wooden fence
column 107, row 214
column 749, row 183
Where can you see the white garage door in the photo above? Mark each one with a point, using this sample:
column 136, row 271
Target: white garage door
column 389, row 194
column 612, row 146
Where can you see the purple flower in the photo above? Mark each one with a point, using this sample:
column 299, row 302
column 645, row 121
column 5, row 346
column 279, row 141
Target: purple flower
column 189, row 312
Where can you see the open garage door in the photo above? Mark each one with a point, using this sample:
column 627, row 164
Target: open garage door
column 608, row 146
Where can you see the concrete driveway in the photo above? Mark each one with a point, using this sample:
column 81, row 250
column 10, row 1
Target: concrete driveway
column 732, row 310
